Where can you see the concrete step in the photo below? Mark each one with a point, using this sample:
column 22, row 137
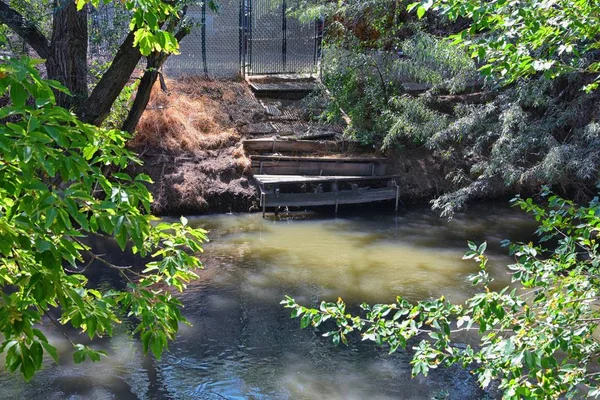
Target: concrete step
column 283, row 89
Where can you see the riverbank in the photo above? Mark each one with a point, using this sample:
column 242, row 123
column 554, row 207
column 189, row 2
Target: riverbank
column 190, row 141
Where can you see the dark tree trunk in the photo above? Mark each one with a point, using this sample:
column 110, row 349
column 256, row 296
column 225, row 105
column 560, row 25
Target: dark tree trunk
column 97, row 107
column 25, row 29
column 142, row 96
column 67, row 62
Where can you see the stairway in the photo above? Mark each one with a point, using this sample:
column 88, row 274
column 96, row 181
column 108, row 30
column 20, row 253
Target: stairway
column 301, row 163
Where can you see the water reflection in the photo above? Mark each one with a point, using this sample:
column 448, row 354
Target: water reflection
column 242, row 344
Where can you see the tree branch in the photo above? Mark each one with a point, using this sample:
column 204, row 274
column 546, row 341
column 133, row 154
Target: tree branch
column 97, row 107
column 25, row 29
column 154, row 63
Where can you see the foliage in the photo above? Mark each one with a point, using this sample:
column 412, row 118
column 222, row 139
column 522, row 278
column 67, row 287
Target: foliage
column 523, row 37
column 61, row 182
column 537, row 338
column 539, row 132
column 108, row 24
column 121, row 106
column 370, row 84
column 147, row 19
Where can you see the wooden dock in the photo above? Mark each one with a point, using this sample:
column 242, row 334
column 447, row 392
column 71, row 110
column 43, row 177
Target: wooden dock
column 299, row 163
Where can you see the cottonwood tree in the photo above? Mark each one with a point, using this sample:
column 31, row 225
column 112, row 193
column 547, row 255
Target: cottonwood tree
column 61, row 184
column 155, row 28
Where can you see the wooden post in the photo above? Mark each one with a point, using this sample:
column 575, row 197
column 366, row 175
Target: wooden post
column 263, row 200
column 373, row 169
column 397, row 195
column 335, row 188
column 261, row 168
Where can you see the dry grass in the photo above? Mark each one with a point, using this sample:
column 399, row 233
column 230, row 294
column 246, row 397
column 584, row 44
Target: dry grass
column 242, row 163
column 192, row 116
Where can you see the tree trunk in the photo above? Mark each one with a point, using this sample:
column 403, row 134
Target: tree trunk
column 25, row 29
column 142, row 95
column 67, row 61
column 97, row 107
column 154, row 63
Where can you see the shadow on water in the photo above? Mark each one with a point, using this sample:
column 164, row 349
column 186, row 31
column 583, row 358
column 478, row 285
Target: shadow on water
column 242, row 343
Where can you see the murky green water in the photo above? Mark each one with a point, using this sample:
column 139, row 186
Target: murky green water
column 242, row 344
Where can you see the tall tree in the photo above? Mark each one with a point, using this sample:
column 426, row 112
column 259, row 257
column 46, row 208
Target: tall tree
column 65, row 52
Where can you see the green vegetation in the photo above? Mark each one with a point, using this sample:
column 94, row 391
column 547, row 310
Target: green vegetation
column 63, row 181
column 524, row 122
column 538, row 338
column 492, row 91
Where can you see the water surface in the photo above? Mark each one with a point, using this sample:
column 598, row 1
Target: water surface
column 242, row 343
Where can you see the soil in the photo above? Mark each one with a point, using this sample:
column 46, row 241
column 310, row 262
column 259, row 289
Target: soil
column 190, row 142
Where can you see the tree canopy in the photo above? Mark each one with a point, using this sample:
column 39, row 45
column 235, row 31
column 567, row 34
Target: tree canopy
column 63, row 181
column 518, row 38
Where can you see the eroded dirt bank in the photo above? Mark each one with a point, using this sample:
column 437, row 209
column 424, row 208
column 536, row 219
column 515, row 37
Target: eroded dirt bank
column 190, row 140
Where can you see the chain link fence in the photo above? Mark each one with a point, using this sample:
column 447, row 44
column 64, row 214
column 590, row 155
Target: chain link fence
column 245, row 37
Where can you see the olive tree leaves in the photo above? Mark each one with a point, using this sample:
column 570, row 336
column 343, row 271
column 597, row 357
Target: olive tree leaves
column 62, row 181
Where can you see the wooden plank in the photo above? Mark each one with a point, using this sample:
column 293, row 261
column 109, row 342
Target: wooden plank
column 337, row 160
column 329, row 198
column 299, row 146
column 277, row 87
column 316, row 135
column 286, row 179
column 317, row 168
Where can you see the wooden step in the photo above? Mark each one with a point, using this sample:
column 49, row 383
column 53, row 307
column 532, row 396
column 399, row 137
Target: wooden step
column 271, row 180
column 319, row 135
column 298, row 146
column 367, row 160
column 277, row 165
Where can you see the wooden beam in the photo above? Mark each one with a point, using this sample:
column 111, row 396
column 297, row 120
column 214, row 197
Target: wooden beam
column 369, row 160
column 317, row 168
column 287, row 179
column 298, row 146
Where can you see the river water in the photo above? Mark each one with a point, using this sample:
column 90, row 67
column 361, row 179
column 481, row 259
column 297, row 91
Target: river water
column 242, row 343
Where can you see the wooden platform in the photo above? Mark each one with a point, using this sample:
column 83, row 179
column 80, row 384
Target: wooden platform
column 286, row 165
column 328, row 198
column 267, row 180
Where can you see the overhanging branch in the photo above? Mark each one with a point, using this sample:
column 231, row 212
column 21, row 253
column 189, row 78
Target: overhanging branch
column 25, row 29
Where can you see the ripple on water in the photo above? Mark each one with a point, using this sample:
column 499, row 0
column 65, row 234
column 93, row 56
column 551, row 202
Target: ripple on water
column 242, row 343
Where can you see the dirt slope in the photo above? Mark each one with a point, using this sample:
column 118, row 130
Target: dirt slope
column 190, row 141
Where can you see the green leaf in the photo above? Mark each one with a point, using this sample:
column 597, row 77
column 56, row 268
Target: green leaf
column 18, row 95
